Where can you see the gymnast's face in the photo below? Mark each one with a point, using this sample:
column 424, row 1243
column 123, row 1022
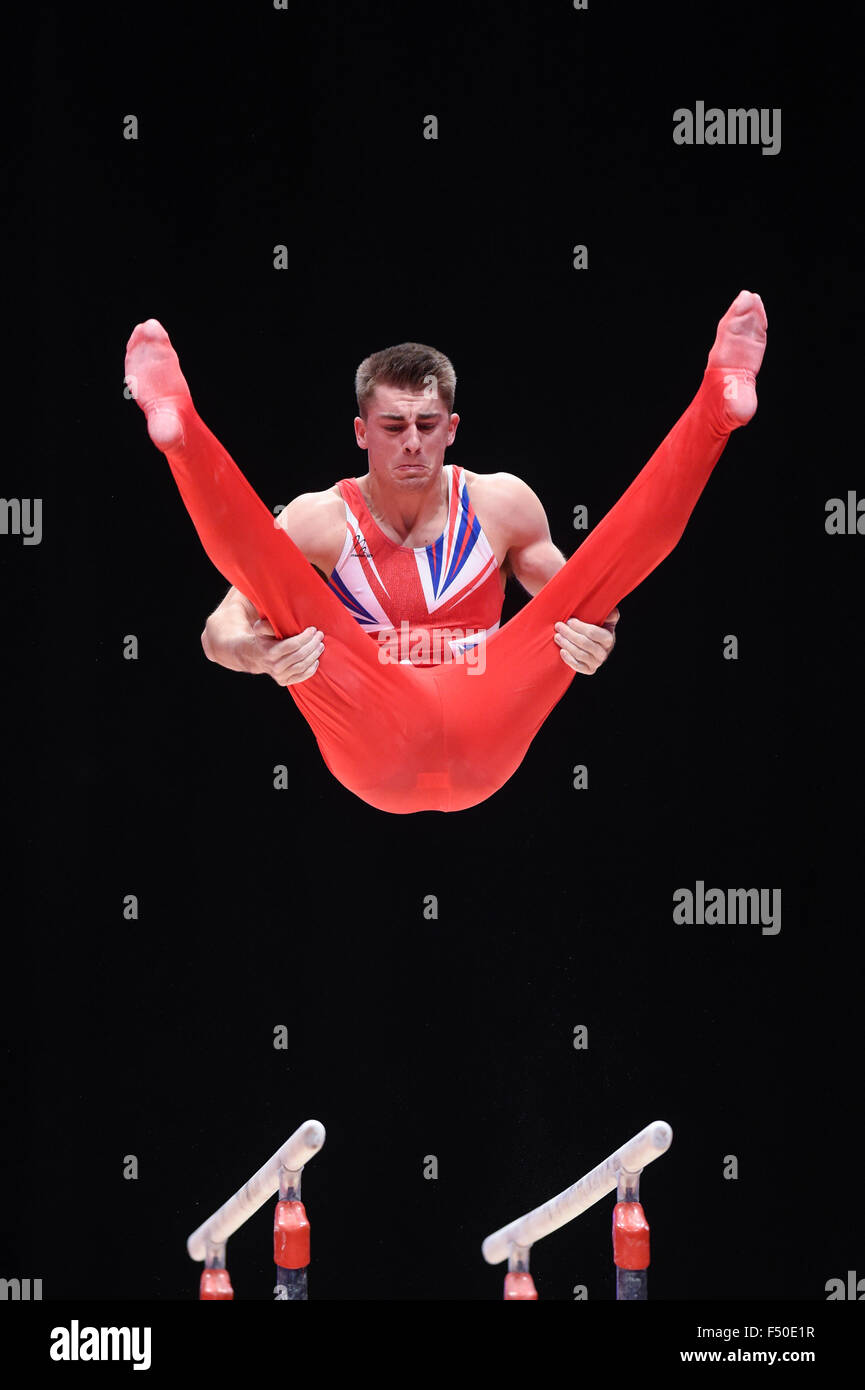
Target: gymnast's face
column 406, row 433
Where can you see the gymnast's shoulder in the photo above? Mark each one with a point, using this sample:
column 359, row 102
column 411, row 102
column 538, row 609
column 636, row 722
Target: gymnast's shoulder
column 316, row 523
column 501, row 496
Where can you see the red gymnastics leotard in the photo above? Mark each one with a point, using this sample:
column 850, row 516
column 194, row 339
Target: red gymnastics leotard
column 426, row 603
column 405, row 737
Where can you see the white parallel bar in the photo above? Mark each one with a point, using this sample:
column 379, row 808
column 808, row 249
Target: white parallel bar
column 649, row 1144
column 303, row 1145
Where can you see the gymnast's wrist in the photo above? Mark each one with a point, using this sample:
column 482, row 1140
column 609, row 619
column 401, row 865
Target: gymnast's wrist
column 246, row 655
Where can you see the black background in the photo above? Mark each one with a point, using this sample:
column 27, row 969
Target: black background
column 305, row 907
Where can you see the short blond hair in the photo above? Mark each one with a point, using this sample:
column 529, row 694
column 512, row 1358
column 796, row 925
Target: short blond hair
column 407, row 364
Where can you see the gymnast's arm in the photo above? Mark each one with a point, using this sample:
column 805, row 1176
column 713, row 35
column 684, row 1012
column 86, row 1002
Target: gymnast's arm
column 236, row 637
column 517, row 514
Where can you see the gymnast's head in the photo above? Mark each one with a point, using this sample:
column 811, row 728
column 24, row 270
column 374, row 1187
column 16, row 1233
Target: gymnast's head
column 405, row 396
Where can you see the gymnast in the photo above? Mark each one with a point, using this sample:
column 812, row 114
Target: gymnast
column 426, row 546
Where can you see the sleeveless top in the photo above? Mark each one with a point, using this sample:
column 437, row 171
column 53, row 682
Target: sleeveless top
column 423, row 597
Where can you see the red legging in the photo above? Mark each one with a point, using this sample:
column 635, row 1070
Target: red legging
column 442, row 738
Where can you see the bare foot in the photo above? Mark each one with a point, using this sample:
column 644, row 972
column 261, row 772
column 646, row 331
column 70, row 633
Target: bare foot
column 738, row 351
column 155, row 380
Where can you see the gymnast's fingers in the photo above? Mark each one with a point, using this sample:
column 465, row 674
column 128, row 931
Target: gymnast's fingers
column 296, row 648
column 576, row 628
column 603, row 636
column 584, row 668
column 298, row 674
column 276, row 653
column 584, row 649
column 297, row 661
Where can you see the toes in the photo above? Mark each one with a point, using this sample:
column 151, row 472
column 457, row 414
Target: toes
column 747, row 303
column 151, row 331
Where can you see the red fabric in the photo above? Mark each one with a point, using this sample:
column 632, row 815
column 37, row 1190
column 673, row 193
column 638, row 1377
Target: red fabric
column 391, row 570
column 408, row 738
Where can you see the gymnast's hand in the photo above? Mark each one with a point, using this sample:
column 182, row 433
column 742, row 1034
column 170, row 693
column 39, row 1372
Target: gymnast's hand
column 585, row 647
column 288, row 660
column 236, row 637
